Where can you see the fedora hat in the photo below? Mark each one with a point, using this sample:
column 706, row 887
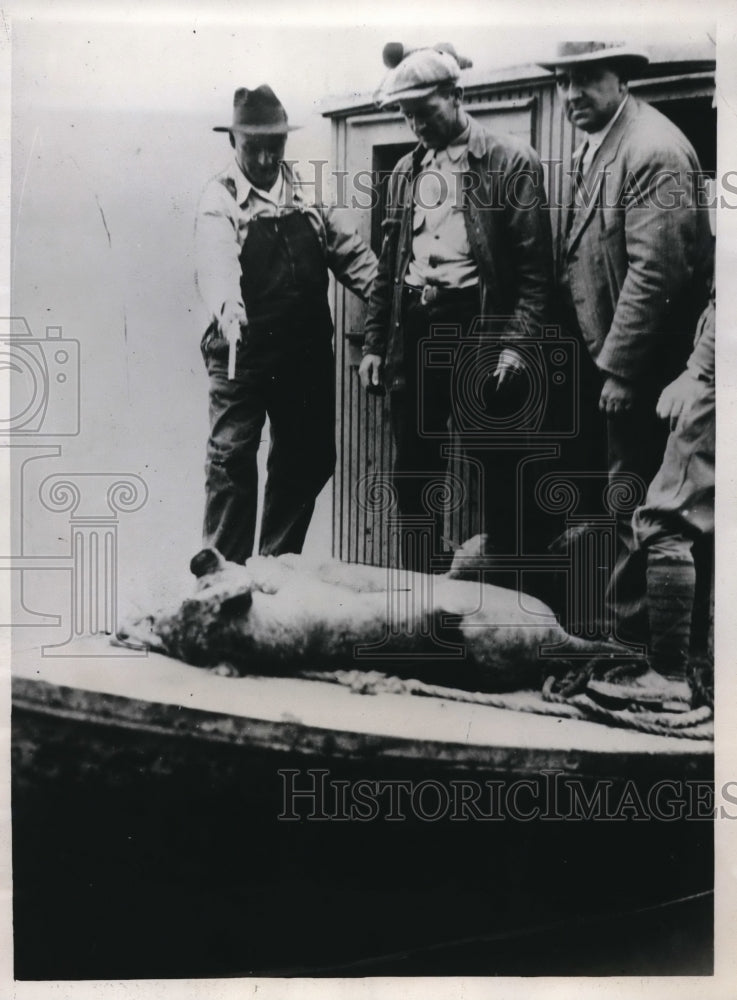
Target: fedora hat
column 257, row 112
column 574, row 53
column 418, row 72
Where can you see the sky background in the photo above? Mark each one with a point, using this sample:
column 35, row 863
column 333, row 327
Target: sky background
column 112, row 113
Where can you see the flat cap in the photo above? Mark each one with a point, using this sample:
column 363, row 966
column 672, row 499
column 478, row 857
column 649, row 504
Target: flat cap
column 419, row 74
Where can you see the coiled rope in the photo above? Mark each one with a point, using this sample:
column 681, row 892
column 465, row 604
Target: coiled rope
column 569, row 702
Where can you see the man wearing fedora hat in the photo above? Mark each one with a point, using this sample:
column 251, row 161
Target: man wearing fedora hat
column 466, row 244
column 263, row 250
column 634, row 274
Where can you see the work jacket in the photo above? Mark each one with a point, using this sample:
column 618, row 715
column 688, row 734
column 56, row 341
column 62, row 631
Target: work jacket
column 503, row 200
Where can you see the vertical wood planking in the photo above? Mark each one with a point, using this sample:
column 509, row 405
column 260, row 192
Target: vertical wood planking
column 339, row 520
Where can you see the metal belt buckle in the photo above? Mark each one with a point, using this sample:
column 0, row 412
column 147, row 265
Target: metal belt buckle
column 429, row 294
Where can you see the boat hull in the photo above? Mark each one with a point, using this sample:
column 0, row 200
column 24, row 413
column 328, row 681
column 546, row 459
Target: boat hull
column 156, row 840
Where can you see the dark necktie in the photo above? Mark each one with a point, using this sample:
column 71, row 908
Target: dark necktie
column 576, row 182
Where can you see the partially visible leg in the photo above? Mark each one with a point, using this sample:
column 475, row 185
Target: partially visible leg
column 302, row 453
column 663, row 677
column 419, row 472
column 676, row 521
column 636, row 442
column 503, row 504
column 702, row 628
column 675, row 528
column 419, row 418
column 231, row 480
column 671, row 585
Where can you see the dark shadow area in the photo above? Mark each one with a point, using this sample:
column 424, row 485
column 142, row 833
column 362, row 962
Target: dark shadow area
column 142, row 854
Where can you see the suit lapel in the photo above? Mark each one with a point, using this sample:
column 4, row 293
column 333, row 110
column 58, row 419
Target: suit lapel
column 589, row 198
column 595, row 176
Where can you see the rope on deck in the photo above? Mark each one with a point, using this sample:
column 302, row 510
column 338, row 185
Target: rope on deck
column 696, row 724
column 375, row 682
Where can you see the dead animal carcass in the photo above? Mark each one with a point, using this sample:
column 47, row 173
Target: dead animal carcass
column 288, row 614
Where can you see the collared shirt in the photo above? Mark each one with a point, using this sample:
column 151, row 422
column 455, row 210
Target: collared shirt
column 513, row 252
column 594, row 139
column 441, row 253
column 227, row 206
column 275, row 194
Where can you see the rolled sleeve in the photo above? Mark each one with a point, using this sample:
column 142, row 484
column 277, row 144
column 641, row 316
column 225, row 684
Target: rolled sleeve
column 217, row 252
column 352, row 262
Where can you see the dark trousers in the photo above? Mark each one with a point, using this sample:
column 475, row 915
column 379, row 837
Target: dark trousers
column 636, row 443
column 296, row 390
column 433, row 413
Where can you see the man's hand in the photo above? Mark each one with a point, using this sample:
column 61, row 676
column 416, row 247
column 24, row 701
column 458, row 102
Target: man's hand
column 678, row 398
column 232, row 321
column 369, row 371
column 510, row 363
column 617, row 396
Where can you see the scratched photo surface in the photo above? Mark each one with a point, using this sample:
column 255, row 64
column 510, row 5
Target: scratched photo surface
column 338, row 764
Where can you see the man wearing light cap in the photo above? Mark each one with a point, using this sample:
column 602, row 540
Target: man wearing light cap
column 635, row 269
column 263, row 252
column 466, row 235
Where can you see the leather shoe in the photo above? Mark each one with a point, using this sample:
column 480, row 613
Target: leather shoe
column 670, row 694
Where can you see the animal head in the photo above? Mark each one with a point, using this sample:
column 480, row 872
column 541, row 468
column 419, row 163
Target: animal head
column 138, row 632
column 202, row 624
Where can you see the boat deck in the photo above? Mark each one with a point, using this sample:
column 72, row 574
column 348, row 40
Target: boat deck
column 317, row 717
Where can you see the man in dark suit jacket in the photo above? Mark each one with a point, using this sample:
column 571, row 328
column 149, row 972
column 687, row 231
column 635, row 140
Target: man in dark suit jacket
column 635, row 267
